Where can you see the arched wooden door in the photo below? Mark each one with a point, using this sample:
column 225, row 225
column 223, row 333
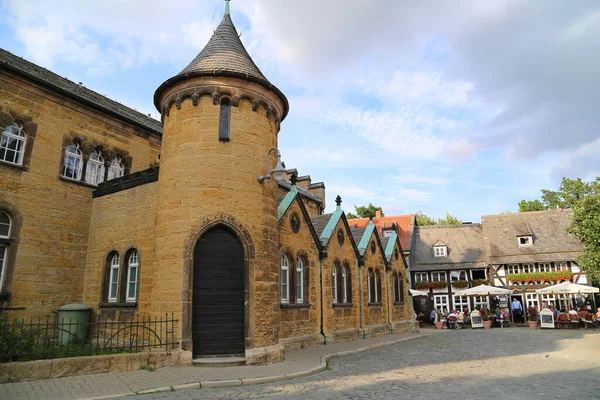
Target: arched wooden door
column 218, row 295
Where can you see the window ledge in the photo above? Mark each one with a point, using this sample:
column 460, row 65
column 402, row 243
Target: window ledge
column 4, row 296
column 75, row 181
column 343, row 305
column 294, row 305
column 15, row 166
column 4, row 240
column 375, row 304
column 118, row 305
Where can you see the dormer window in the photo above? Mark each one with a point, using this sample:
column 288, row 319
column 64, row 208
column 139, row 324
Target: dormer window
column 440, row 251
column 525, row 241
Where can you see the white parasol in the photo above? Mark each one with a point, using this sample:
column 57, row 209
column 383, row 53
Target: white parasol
column 484, row 290
column 415, row 292
column 567, row 288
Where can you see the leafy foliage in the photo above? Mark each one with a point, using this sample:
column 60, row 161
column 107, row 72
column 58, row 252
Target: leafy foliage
column 425, row 220
column 365, row 211
column 430, row 285
column 569, row 193
column 478, row 282
column 586, row 226
column 460, row 284
column 533, row 277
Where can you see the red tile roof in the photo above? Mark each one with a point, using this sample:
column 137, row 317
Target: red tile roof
column 405, row 224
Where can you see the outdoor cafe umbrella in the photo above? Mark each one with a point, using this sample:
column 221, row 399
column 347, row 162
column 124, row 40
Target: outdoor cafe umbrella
column 567, row 288
column 415, row 292
column 484, row 290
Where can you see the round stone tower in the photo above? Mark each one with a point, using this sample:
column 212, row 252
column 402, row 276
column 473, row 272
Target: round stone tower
column 216, row 251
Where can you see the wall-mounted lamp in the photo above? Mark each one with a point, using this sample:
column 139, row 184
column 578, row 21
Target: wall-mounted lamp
column 278, row 172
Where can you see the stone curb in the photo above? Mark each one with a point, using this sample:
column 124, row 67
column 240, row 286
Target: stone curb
column 266, row 379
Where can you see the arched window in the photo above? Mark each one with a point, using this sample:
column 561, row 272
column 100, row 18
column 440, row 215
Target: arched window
column 348, row 283
column 113, row 278
column 334, row 287
column 73, row 162
column 133, row 268
column 370, row 287
column 116, row 169
column 377, row 285
column 5, row 230
column 344, row 285
column 299, row 281
column 400, row 288
column 224, row 118
column 12, row 144
column 395, row 286
column 285, row 279
column 94, row 173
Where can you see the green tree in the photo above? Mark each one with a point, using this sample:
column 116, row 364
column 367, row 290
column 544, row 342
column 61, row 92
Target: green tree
column 365, row 211
column 531, row 205
column 568, row 194
column 586, row 226
column 424, row 220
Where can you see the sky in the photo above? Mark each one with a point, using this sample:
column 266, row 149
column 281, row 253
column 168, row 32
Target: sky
column 464, row 107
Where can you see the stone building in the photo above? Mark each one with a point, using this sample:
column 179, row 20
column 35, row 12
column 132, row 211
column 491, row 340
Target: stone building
column 518, row 251
column 104, row 206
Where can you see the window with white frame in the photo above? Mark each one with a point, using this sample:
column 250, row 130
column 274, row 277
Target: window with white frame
column 481, row 301
column 562, row 266
column 94, row 173
column 528, row 268
column 133, row 267
column 439, row 251
column 73, row 162
column 438, row 277
column 113, row 278
column 299, row 281
column 387, row 233
column 285, row 279
column 525, row 241
column 563, row 302
column 458, row 276
column 377, row 285
column 334, row 286
column 544, row 267
column 532, row 300
column 550, row 299
column 116, row 169
column 421, row 277
column 370, row 289
column 461, row 303
column 5, row 231
column 12, row 144
column 512, row 269
column 440, row 302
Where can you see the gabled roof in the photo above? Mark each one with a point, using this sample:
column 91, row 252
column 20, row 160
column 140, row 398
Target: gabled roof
column 284, row 206
column 551, row 242
column 404, row 226
column 284, row 183
column 439, row 243
column 223, row 55
column 76, row 92
column 466, row 247
column 325, row 226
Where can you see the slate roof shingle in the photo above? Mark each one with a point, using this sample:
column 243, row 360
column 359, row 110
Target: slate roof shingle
column 223, row 55
column 551, row 242
column 320, row 222
column 466, row 247
column 77, row 92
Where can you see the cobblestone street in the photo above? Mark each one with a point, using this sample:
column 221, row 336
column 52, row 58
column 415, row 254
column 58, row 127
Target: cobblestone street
column 514, row 363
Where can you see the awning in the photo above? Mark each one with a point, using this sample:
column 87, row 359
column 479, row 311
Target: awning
column 484, row 290
column 567, row 288
column 415, row 292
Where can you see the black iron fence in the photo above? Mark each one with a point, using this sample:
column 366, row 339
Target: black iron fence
column 68, row 337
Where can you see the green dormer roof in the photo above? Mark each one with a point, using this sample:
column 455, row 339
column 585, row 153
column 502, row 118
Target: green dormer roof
column 389, row 249
column 286, row 202
column 364, row 241
column 330, row 227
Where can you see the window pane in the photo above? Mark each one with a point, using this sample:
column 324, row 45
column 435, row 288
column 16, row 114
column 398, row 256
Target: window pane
column 4, row 224
column 2, row 258
column 224, row 121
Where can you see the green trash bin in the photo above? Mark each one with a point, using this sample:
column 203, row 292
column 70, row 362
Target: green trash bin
column 73, row 323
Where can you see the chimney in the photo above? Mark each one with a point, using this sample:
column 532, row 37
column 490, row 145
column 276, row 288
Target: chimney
column 377, row 214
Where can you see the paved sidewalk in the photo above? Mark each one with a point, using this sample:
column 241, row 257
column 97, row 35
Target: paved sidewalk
column 298, row 363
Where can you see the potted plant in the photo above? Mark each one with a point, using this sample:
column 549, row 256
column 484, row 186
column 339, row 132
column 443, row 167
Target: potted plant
column 478, row 282
column 421, row 285
column 532, row 315
column 486, row 317
column 460, row 284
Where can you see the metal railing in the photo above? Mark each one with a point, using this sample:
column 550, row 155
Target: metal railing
column 50, row 337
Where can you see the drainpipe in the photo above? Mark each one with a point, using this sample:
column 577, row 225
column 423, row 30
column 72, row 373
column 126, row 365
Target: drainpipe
column 360, row 262
column 387, row 291
column 322, row 257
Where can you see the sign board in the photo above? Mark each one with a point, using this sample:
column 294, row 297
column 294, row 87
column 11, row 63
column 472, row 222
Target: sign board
column 476, row 321
column 503, row 301
column 547, row 318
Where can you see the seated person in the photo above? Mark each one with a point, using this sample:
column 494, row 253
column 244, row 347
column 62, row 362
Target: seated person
column 420, row 316
column 597, row 315
column 452, row 318
column 460, row 319
column 573, row 311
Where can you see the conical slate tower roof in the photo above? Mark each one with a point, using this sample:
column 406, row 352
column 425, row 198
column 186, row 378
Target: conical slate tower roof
column 224, row 55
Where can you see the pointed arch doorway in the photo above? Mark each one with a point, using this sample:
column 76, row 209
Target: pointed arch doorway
column 218, row 295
